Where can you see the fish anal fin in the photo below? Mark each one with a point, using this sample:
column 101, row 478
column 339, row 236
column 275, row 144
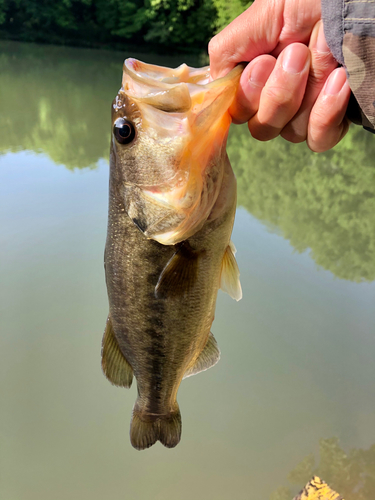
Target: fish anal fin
column 230, row 274
column 207, row 358
column 115, row 367
column 180, row 273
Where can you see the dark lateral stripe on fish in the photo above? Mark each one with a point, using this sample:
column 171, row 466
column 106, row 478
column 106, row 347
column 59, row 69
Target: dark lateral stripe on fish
column 155, row 355
column 155, row 330
column 155, row 351
column 157, row 323
column 155, row 403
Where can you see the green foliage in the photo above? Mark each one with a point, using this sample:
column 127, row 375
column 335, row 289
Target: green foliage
column 182, row 20
column 324, row 203
column 351, row 474
column 122, row 19
column 44, row 20
column 227, row 11
column 173, row 25
column 2, row 11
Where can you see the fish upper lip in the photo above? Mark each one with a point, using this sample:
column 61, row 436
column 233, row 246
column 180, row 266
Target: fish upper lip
column 181, row 74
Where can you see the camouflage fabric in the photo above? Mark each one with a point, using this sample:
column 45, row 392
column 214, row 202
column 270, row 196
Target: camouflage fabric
column 359, row 57
column 317, row 489
column 350, row 31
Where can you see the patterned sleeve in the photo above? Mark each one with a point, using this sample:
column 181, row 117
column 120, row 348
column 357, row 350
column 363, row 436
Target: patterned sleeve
column 349, row 26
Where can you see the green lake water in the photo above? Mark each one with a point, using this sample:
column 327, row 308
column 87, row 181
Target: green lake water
column 294, row 392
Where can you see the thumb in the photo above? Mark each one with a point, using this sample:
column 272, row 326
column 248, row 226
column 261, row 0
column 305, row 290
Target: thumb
column 256, row 31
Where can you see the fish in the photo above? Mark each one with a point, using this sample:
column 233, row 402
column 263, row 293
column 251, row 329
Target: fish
column 172, row 203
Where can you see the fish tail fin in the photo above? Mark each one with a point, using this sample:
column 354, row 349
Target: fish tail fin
column 143, row 433
column 170, row 428
column 146, row 430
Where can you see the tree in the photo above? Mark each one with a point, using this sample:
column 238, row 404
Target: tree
column 227, row 11
column 173, row 25
column 351, row 473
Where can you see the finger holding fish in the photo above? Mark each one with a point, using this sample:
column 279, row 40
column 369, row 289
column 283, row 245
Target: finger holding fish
column 252, row 82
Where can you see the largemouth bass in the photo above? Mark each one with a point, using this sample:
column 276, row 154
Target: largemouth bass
column 172, row 201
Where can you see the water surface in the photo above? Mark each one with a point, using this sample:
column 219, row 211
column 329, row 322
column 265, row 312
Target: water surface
column 294, row 392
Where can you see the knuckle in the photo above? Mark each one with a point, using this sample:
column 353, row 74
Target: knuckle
column 279, row 98
column 262, row 132
column 317, row 77
column 324, row 60
column 212, row 47
column 321, row 67
column 291, row 136
column 317, row 146
column 316, row 141
column 218, row 48
column 322, row 117
column 319, row 74
column 319, row 138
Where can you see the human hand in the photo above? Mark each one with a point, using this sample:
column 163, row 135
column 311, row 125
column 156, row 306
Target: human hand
column 292, row 86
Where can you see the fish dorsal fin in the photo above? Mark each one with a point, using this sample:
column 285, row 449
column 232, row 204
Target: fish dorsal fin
column 207, row 358
column 115, row 367
column 230, row 274
column 180, row 274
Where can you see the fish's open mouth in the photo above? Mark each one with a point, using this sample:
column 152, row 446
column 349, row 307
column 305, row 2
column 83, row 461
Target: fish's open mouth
column 185, row 120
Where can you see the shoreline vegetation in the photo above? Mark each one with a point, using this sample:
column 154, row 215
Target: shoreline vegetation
column 176, row 26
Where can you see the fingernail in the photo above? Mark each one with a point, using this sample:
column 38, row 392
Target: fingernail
column 295, row 58
column 321, row 43
column 259, row 74
column 335, row 82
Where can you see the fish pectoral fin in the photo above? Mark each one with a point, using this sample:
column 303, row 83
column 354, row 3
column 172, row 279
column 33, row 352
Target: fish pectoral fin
column 207, row 358
column 180, row 273
column 115, row 367
column 230, row 274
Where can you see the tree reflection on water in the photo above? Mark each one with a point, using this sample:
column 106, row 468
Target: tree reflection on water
column 59, row 105
column 322, row 202
column 351, row 474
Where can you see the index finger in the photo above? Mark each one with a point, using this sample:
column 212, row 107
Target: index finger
column 256, row 31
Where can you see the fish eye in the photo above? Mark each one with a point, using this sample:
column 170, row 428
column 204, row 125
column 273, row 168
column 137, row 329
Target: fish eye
column 124, row 131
